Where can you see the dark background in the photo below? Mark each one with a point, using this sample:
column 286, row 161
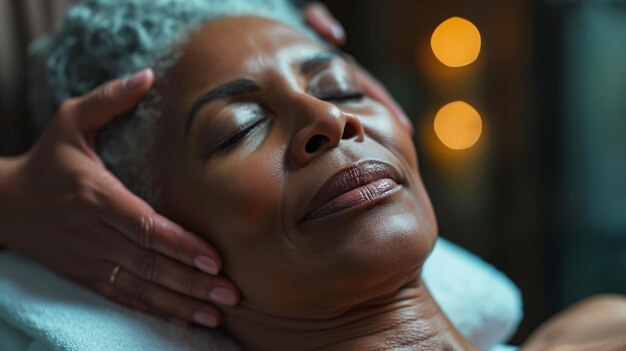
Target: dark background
column 542, row 196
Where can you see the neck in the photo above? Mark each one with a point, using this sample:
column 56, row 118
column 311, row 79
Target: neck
column 407, row 320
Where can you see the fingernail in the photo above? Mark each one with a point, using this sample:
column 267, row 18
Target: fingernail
column 206, row 319
column 223, row 296
column 338, row 32
column 206, row 264
column 134, row 81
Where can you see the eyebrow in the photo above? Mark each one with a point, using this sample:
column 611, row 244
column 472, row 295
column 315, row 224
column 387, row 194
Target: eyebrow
column 232, row 88
column 247, row 85
column 319, row 59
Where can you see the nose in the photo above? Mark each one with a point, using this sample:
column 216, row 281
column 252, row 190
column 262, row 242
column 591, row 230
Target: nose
column 323, row 128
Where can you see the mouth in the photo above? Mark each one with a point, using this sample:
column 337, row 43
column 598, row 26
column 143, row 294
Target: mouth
column 361, row 185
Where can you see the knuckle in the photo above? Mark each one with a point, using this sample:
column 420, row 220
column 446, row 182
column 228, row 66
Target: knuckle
column 105, row 94
column 177, row 250
column 190, row 287
column 145, row 265
column 87, row 194
column 145, row 231
column 137, row 290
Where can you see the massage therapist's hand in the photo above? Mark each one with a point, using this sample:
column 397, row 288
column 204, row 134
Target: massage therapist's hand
column 60, row 206
column 594, row 324
column 322, row 21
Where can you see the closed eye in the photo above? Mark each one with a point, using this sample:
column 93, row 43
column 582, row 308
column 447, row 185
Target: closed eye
column 351, row 97
column 236, row 138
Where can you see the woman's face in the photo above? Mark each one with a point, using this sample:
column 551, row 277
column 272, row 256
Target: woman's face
column 259, row 123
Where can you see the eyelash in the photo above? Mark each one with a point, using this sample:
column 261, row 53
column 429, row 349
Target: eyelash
column 345, row 98
column 233, row 140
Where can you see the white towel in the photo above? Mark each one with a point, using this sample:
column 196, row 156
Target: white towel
column 478, row 299
column 40, row 311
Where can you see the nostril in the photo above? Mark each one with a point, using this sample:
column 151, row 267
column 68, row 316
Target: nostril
column 315, row 143
column 349, row 131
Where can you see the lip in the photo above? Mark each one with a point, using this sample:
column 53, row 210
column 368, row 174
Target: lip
column 361, row 184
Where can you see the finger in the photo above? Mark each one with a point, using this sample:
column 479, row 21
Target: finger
column 129, row 215
column 142, row 307
column 173, row 275
column 114, row 98
column 371, row 87
column 166, row 301
column 109, row 291
column 318, row 17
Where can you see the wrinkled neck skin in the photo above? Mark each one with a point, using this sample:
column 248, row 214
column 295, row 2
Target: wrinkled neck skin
column 409, row 319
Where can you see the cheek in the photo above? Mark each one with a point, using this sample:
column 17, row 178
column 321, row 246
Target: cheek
column 247, row 196
column 387, row 130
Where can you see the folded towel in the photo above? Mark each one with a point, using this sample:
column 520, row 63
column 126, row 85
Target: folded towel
column 60, row 315
column 478, row 299
column 40, row 311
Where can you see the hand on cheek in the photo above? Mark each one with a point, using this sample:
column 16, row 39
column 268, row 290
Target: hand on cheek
column 64, row 209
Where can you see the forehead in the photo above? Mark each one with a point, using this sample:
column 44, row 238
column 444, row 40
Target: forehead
column 232, row 47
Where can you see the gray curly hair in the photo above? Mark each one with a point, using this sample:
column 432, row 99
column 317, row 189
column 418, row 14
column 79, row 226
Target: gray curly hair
column 100, row 40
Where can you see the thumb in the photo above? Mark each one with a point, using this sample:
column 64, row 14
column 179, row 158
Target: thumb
column 100, row 106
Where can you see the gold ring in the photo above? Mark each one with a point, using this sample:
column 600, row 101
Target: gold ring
column 116, row 269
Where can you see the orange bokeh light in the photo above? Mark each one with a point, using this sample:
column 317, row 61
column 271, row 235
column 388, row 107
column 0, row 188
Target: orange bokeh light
column 458, row 125
column 456, row 42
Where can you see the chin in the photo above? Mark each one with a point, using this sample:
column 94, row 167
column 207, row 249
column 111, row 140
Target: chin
column 378, row 250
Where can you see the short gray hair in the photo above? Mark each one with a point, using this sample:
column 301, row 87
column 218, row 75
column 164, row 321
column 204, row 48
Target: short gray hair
column 102, row 40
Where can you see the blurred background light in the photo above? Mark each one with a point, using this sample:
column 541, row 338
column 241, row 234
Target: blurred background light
column 458, row 125
column 456, row 42
column 541, row 195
